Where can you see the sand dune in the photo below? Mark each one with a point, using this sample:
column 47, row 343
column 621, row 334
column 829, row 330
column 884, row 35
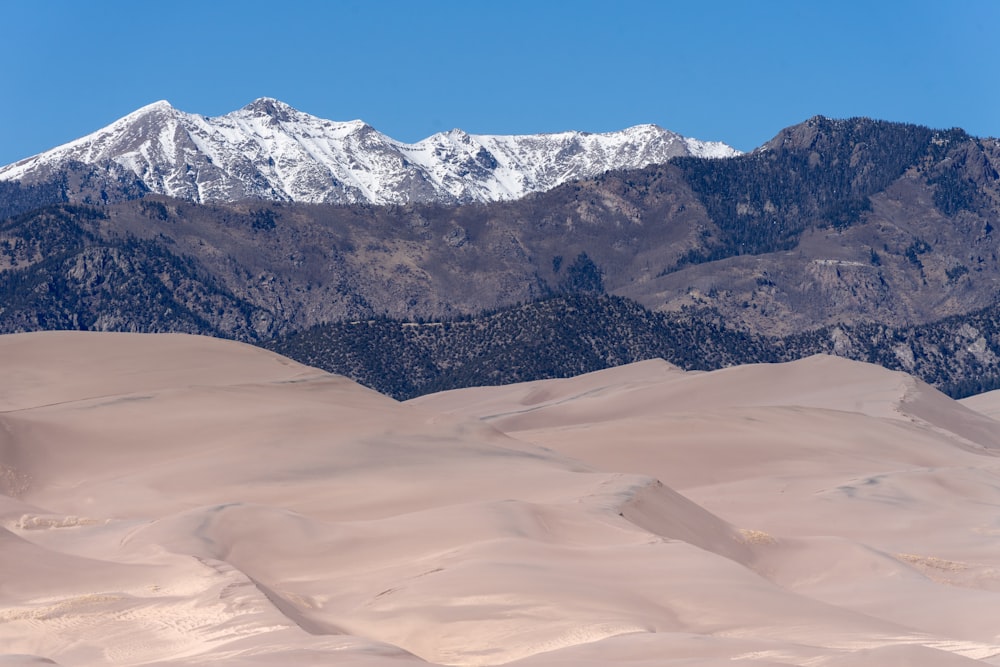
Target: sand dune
column 987, row 403
column 176, row 500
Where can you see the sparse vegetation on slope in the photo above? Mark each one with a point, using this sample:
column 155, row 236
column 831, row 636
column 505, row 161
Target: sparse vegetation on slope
column 570, row 335
column 558, row 337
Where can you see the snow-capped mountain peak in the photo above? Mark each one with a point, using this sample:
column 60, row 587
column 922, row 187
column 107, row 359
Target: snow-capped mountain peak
column 268, row 106
column 270, row 150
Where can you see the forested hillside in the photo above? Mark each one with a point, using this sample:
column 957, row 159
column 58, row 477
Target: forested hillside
column 569, row 335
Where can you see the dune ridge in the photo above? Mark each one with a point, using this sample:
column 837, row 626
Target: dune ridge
column 178, row 500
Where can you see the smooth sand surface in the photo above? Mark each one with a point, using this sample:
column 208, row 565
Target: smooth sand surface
column 987, row 403
column 178, row 500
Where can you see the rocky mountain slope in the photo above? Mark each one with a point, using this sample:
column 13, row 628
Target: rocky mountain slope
column 833, row 222
column 268, row 150
column 839, row 235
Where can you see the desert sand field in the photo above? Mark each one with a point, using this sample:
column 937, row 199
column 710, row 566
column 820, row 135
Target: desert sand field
column 179, row 500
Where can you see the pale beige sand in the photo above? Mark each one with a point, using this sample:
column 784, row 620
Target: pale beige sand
column 175, row 500
column 987, row 403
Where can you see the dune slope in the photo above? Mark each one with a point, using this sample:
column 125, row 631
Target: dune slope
column 177, row 500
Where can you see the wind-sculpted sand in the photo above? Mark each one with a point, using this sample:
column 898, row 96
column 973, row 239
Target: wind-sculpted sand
column 176, row 500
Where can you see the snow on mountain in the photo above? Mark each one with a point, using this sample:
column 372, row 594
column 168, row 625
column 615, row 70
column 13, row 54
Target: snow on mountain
column 268, row 150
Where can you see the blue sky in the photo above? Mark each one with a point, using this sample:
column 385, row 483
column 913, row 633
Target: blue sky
column 716, row 70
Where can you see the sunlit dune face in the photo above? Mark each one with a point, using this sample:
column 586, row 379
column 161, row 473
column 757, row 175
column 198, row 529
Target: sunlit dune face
column 177, row 500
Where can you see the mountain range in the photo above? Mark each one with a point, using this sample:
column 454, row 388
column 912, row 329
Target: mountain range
column 268, row 150
column 848, row 236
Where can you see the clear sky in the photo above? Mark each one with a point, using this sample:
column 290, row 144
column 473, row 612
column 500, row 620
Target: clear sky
column 726, row 70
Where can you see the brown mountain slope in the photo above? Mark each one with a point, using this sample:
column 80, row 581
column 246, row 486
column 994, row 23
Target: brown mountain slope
column 831, row 222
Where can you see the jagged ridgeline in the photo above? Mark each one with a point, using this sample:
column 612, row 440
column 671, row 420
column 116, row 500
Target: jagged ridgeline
column 270, row 151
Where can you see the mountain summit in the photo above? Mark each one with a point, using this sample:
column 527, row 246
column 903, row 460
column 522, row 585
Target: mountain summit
column 269, row 150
